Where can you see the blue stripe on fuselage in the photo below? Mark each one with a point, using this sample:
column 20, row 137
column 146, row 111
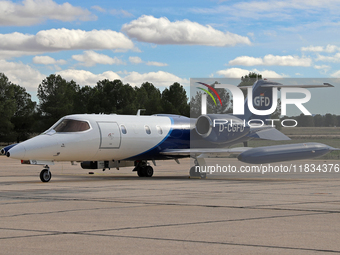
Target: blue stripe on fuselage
column 178, row 137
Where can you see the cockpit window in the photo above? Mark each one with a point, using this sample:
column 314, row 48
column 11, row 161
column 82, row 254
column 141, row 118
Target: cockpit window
column 69, row 125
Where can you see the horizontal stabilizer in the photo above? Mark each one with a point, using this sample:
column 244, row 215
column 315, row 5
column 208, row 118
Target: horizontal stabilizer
column 270, row 134
column 279, row 85
column 270, row 84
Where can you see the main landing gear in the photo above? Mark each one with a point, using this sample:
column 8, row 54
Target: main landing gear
column 45, row 174
column 195, row 171
column 143, row 169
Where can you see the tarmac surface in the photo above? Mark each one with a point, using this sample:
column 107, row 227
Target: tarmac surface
column 116, row 212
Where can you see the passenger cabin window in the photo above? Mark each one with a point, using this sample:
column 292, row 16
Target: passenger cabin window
column 69, row 125
column 159, row 130
column 122, row 127
column 147, row 130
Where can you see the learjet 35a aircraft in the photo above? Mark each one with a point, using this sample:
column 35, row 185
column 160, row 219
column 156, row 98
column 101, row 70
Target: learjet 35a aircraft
column 101, row 141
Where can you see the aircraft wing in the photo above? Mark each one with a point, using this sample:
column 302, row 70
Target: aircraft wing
column 269, row 134
column 259, row 155
column 206, row 152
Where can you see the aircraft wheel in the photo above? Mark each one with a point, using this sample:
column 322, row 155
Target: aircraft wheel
column 141, row 172
column 193, row 173
column 148, row 171
column 45, row 175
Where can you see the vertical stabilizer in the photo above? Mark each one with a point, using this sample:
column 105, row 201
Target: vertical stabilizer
column 262, row 99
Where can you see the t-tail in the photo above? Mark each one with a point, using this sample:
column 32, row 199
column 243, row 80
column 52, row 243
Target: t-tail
column 262, row 101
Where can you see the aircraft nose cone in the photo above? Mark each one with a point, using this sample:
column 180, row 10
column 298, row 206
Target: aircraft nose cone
column 17, row 152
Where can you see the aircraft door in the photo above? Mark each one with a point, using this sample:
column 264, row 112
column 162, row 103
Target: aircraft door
column 110, row 137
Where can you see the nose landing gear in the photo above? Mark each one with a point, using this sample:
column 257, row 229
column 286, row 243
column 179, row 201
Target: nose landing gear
column 143, row 169
column 45, row 174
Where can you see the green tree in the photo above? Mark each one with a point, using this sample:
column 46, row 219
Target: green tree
column 305, row 120
column 104, row 97
column 248, row 80
column 127, row 100
column 319, row 120
column 175, row 100
column 149, row 97
column 82, row 100
column 24, row 116
column 56, row 98
column 338, row 120
column 330, row 120
column 7, row 105
column 112, row 97
column 195, row 105
column 212, row 107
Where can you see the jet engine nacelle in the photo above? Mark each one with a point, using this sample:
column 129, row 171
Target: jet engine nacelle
column 220, row 128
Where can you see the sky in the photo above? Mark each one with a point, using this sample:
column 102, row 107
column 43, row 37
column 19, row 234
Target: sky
column 163, row 42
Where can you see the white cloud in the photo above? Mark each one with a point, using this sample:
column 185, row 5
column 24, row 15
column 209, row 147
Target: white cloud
column 115, row 12
column 233, row 72
column 246, row 61
column 18, row 44
column 121, row 13
column 313, row 48
column 138, row 60
column 334, row 58
column 83, row 77
column 98, row 8
column 322, row 67
column 162, row 31
column 273, row 9
column 154, row 63
column 21, row 74
column 336, row 74
column 91, row 58
column 30, row 12
column 135, row 60
column 159, row 79
column 271, row 60
column 79, row 39
column 238, row 73
column 329, row 48
column 270, row 33
column 47, row 60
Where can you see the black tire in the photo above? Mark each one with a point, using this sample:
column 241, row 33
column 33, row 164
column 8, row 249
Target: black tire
column 45, row 175
column 141, row 172
column 193, row 172
column 148, row 170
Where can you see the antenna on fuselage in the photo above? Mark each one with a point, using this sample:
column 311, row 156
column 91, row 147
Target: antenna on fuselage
column 138, row 112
